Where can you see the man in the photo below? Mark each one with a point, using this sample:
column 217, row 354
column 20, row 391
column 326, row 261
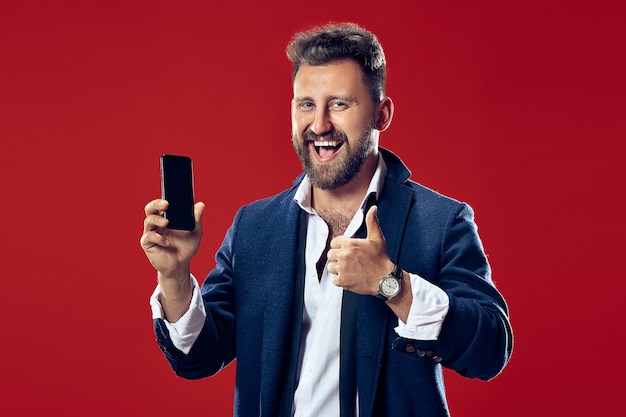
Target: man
column 347, row 293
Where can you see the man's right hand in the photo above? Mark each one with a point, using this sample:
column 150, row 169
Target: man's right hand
column 170, row 252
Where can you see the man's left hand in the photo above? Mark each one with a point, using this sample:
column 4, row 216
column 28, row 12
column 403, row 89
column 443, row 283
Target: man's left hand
column 359, row 264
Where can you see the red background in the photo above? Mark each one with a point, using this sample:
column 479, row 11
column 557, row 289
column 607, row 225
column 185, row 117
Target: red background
column 515, row 107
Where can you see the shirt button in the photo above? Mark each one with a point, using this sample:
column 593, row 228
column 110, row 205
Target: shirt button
column 409, row 348
column 437, row 359
column 420, row 353
column 321, row 321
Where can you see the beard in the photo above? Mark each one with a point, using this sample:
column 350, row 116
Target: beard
column 333, row 175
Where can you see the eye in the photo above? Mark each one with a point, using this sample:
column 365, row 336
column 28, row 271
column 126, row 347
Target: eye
column 306, row 106
column 338, row 105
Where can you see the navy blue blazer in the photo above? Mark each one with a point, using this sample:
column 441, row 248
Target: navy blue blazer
column 249, row 298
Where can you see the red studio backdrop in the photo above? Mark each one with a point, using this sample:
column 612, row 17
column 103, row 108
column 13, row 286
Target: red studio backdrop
column 514, row 107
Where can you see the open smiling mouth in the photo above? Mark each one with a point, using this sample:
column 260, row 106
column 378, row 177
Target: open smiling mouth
column 327, row 148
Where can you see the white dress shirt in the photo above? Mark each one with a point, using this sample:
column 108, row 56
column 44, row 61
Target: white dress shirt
column 317, row 392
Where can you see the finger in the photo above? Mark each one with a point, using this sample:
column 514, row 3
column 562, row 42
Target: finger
column 155, row 222
column 331, row 255
column 338, row 242
column 198, row 212
column 332, row 267
column 373, row 227
column 156, row 206
column 151, row 238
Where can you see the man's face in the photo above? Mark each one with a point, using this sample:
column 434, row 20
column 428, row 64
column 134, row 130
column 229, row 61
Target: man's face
column 333, row 118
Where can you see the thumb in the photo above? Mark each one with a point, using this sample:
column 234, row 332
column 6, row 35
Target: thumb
column 373, row 227
column 198, row 211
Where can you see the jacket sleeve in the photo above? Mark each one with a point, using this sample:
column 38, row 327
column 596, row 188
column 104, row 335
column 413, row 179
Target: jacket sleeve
column 215, row 345
column 476, row 338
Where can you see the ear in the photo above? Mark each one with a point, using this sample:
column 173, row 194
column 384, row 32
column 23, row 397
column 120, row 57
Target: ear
column 384, row 113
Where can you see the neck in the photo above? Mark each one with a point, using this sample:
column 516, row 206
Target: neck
column 347, row 198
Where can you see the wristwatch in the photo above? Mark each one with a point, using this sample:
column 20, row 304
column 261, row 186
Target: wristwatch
column 389, row 285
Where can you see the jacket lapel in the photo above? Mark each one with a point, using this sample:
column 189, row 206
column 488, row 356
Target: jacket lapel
column 373, row 316
column 279, row 319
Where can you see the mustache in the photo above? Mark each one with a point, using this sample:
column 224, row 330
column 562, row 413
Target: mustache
column 310, row 136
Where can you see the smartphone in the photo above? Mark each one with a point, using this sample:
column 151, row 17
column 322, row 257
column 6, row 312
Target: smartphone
column 177, row 189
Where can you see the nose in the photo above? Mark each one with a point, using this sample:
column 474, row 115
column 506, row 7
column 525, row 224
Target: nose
column 321, row 123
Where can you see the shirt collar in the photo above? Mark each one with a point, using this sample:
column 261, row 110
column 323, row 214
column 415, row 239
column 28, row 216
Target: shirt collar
column 304, row 191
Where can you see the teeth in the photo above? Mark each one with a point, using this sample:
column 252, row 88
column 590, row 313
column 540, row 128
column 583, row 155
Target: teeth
column 332, row 143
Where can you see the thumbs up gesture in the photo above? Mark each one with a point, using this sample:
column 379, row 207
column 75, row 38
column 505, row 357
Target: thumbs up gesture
column 359, row 264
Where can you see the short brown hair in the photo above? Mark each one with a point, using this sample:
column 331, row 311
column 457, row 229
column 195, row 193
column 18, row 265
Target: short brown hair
column 337, row 41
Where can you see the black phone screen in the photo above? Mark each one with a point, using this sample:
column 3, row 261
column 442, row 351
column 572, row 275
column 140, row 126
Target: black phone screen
column 177, row 189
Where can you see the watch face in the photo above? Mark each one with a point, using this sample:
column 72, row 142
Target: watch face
column 390, row 287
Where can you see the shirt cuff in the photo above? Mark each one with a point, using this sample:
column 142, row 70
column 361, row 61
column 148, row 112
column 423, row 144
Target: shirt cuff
column 185, row 331
column 428, row 309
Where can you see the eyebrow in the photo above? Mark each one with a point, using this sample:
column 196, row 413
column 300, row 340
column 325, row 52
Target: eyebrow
column 350, row 99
